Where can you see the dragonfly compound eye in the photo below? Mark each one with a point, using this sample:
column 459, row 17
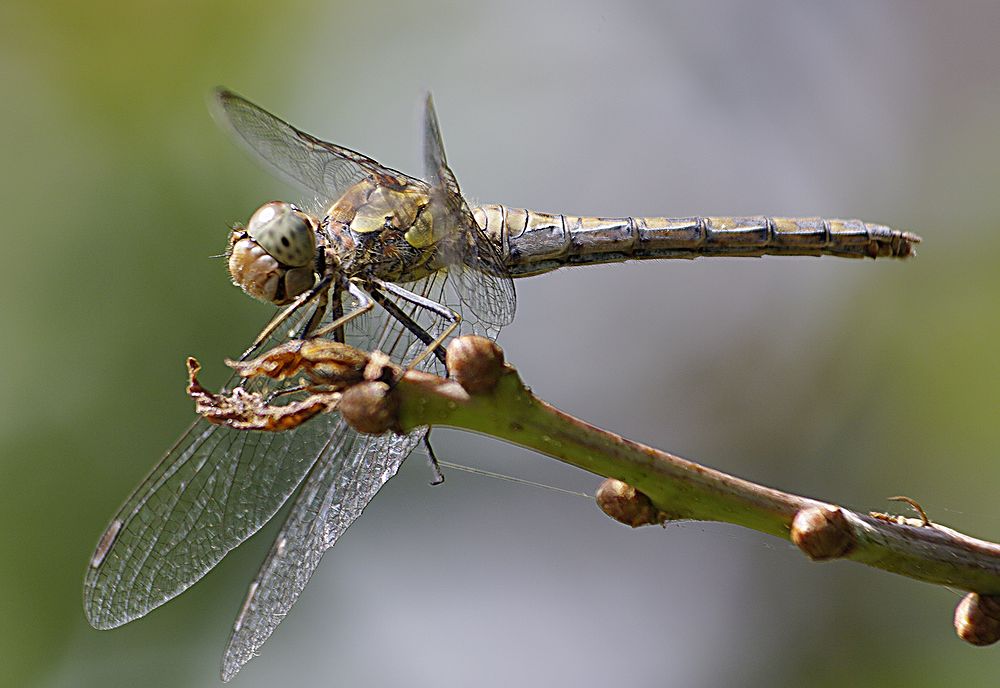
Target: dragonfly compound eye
column 285, row 232
column 253, row 269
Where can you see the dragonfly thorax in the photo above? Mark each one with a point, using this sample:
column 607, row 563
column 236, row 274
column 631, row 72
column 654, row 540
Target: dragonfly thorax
column 384, row 230
column 273, row 258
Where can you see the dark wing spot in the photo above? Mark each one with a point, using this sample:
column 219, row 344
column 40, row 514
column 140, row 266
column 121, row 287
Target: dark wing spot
column 285, row 242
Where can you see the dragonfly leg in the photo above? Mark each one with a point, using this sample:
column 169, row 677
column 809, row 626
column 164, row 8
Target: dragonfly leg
column 276, row 322
column 396, row 312
column 433, row 344
column 432, row 459
column 317, row 317
column 337, row 312
column 365, row 304
column 282, row 392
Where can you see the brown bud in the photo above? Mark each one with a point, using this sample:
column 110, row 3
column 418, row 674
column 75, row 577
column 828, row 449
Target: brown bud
column 627, row 505
column 370, row 407
column 977, row 619
column 822, row 532
column 380, row 368
column 476, row 363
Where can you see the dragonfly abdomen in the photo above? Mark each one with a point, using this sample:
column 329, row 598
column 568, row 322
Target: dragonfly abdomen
column 533, row 242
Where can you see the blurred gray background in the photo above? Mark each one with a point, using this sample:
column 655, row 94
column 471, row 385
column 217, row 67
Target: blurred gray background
column 848, row 381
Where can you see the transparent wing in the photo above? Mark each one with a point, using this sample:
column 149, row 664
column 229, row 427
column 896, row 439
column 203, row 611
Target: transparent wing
column 349, row 473
column 333, row 496
column 214, row 488
column 325, row 170
column 482, row 281
column 217, row 486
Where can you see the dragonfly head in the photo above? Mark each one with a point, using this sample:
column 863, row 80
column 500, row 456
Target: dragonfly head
column 273, row 258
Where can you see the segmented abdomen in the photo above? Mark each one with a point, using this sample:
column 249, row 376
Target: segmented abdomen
column 532, row 242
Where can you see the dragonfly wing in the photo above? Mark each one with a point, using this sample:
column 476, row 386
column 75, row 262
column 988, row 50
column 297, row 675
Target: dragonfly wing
column 214, row 489
column 211, row 491
column 341, row 484
column 435, row 161
column 350, row 471
column 481, row 279
column 217, row 486
column 324, row 169
column 482, row 283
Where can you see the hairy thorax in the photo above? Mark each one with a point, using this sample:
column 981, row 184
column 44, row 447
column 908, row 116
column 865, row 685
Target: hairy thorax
column 384, row 230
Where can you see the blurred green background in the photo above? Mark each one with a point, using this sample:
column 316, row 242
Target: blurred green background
column 848, row 381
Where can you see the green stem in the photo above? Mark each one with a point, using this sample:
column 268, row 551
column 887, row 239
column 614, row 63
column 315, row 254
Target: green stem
column 686, row 490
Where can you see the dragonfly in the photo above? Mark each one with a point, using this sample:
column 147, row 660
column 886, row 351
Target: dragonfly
column 378, row 260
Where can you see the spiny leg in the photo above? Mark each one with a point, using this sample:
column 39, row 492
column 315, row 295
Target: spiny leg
column 317, row 316
column 282, row 392
column 408, row 315
column 433, row 346
column 407, row 322
column 432, row 459
column 276, row 322
column 337, row 312
column 365, row 304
